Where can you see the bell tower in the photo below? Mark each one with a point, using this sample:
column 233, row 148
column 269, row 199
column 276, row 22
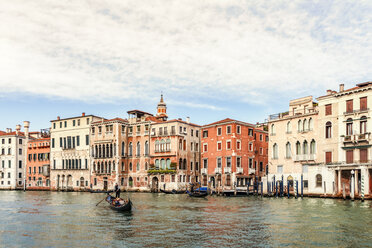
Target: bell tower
column 162, row 109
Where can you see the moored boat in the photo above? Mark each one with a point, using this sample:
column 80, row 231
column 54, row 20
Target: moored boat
column 173, row 191
column 197, row 194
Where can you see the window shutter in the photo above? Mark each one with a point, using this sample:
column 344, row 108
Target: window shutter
column 363, row 103
column 328, row 109
column 349, row 106
column 349, row 157
column 363, row 155
column 328, row 157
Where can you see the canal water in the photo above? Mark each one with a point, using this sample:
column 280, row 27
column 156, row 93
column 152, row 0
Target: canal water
column 56, row 219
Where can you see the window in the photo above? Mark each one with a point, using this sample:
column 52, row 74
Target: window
column 311, row 124
column 349, row 126
column 250, row 146
column 238, row 146
column 363, row 155
column 20, row 164
column 238, row 129
column 192, row 132
column 131, row 166
column 228, row 161
column 238, row 161
column 288, row 153
column 349, row 156
column 298, row 148
column 228, row 130
column 20, row 141
column 312, row 147
column 328, row 109
column 54, row 125
column 65, row 123
column 328, row 130
column 349, row 106
column 318, row 179
column 275, row 151
column 73, row 122
column 205, row 134
column 219, row 145
column 305, row 148
column 147, row 148
column 363, row 103
column 228, row 144
column 305, row 127
column 250, row 130
column 130, row 152
column 60, row 124
column 219, row 162
column 219, row 131
column 205, row 163
column 261, row 151
column 363, row 125
column 138, row 166
column 205, row 147
column 20, row 151
column 197, row 133
column 279, row 169
column 77, row 140
column 299, row 126
column 261, row 137
column 261, row 166
column 87, row 139
column 138, row 149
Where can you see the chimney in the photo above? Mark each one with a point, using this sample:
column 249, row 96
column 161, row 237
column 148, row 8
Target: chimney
column 83, row 114
column 8, row 130
column 18, row 128
column 329, row 92
column 58, row 118
column 180, row 119
column 26, row 125
column 342, row 87
column 188, row 119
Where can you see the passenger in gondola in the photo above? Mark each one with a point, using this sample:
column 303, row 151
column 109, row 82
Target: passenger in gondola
column 117, row 191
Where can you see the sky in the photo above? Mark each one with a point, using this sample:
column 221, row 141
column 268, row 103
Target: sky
column 211, row 59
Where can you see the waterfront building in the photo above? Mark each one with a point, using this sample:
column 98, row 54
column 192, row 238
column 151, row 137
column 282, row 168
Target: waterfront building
column 323, row 142
column 70, row 152
column 108, row 150
column 233, row 154
column 13, row 157
column 38, row 162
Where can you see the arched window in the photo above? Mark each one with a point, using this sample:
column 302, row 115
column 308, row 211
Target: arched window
column 138, row 149
column 318, row 179
column 305, row 149
column 146, row 148
column 157, row 164
column 123, row 149
column 122, row 167
column 289, row 127
column 130, row 166
column 299, row 126
column 111, row 151
column 311, row 124
column 275, row 151
column 146, row 166
column 130, row 149
column 99, row 151
column 103, row 151
column 138, row 166
column 363, row 125
column 288, row 153
column 184, row 164
column 162, row 145
column 168, row 163
column 272, row 129
column 305, row 126
column 109, row 167
column 168, row 144
column 312, row 147
column 328, row 130
column 162, row 163
column 298, row 148
column 106, row 167
column 180, row 164
column 157, row 146
column 98, row 167
column 349, row 126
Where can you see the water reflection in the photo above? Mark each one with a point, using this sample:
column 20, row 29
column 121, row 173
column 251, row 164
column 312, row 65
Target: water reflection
column 55, row 219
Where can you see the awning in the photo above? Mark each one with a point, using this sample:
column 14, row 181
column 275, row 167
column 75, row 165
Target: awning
column 356, row 147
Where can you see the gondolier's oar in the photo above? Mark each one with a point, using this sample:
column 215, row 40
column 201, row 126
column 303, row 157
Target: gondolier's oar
column 100, row 201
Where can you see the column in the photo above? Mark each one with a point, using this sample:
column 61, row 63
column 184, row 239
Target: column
column 356, row 182
column 339, row 186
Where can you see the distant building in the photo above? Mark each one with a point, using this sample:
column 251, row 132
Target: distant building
column 324, row 142
column 38, row 163
column 13, row 157
column 233, row 153
column 70, row 153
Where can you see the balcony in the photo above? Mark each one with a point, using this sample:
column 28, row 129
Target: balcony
column 239, row 170
column 218, row 170
column 251, row 171
column 305, row 157
column 354, row 138
column 138, row 133
column 349, row 112
column 227, row 170
column 204, row 171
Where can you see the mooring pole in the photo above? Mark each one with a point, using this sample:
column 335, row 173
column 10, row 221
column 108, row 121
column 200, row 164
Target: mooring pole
column 302, row 186
column 362, row 186
column 261, row 189
column 352, row 185
column 288, row 188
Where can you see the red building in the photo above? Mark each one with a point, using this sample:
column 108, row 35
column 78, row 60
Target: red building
column 38, row 164
column 232, row 153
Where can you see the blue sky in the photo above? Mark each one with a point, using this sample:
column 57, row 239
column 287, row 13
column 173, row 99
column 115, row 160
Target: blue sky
column 212, row 59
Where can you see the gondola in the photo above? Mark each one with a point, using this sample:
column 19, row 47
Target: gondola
column 101, row 191
column 197, row 194
column 173, row 191
column 120, row 204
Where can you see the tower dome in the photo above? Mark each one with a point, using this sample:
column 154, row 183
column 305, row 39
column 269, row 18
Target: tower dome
column 162, row 109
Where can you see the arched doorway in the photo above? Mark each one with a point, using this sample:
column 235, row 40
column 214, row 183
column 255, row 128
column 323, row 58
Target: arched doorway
column 155, row 184
column 130, row 182
column 105, row 184
column 213, row 182
column 81, row 182
column 290, row 181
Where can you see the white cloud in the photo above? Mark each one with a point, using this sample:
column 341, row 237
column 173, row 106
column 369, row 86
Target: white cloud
column 248, row 51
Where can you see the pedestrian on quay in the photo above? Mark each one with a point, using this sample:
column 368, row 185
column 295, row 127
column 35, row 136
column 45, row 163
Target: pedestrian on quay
column 117, row 191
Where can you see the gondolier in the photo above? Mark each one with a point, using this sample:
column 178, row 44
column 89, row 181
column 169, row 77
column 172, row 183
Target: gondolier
column 117, row 191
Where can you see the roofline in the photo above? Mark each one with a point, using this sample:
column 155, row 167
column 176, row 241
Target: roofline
column 228, row 122
column 80, row 116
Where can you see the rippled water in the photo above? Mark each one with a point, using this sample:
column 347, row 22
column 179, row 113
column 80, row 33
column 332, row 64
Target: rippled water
column 53, row 219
